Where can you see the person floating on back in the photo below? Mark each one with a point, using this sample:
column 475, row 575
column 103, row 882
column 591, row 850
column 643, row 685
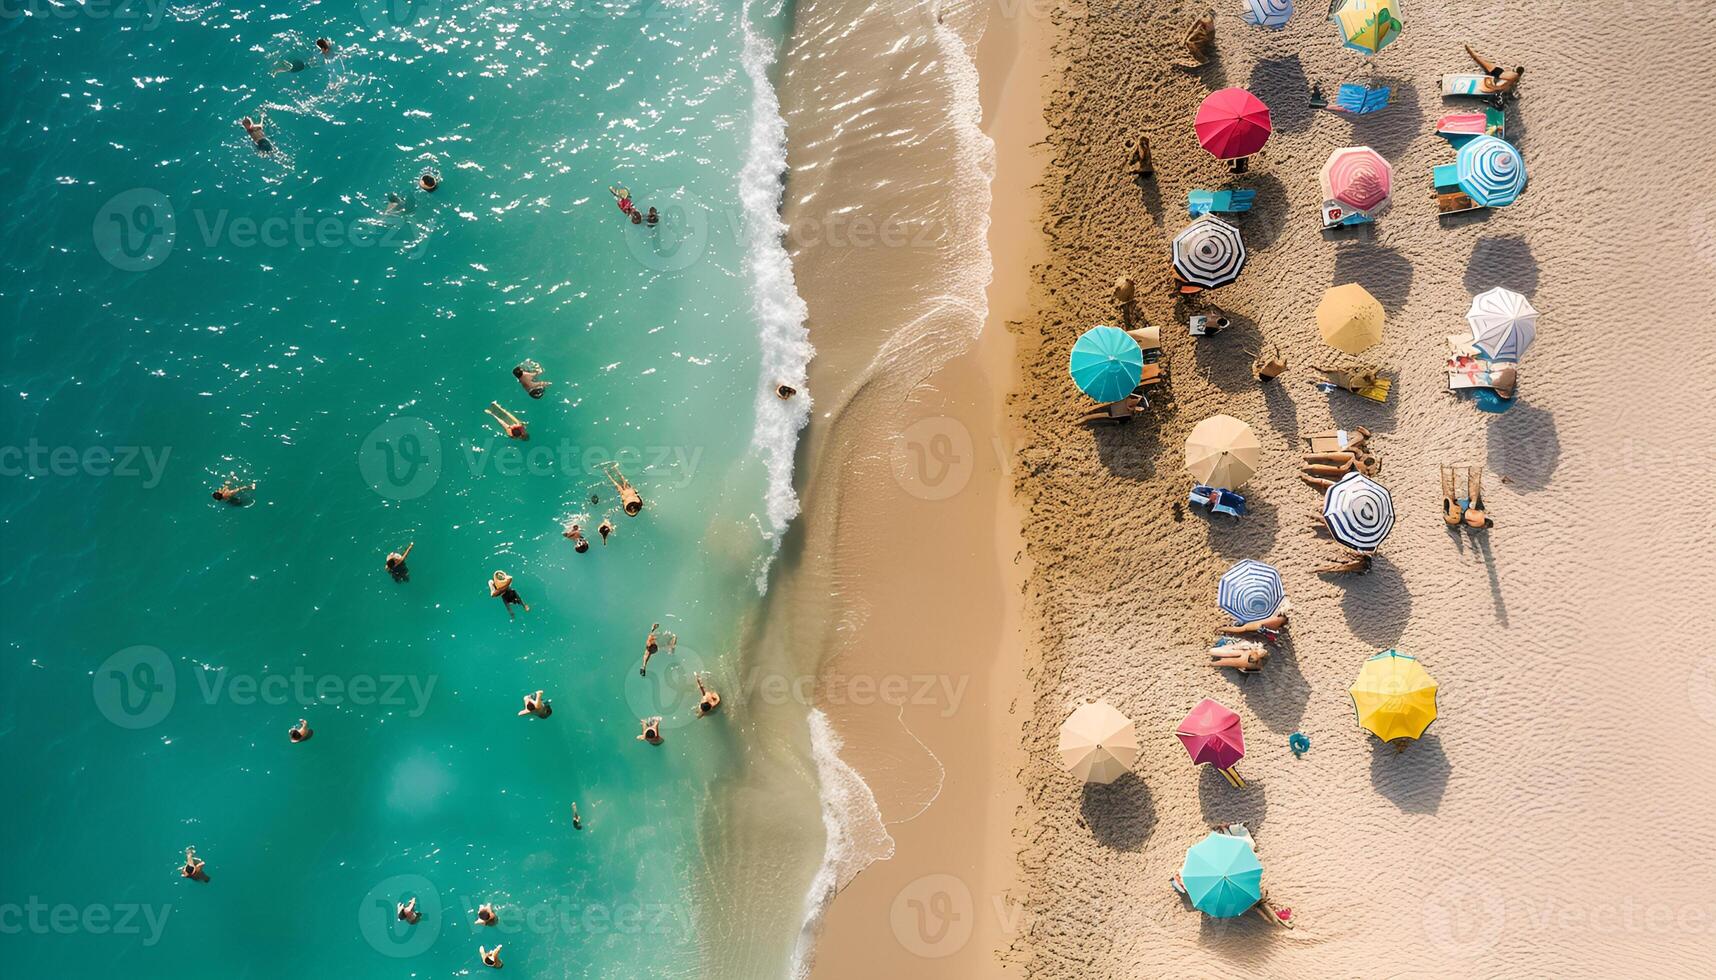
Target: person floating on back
column 536, row 704
column 508, row 422
column 193, row 867
column 300, row 732
column 630, row 500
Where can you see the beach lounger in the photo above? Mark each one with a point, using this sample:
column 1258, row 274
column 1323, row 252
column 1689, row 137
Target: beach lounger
column 1460, row 345
column 1367, row 383
column 1338, row 442
column 1154, row 374
column 1445, row 177
column 1465, row 83
column 1361, row 100
column 1458, row 128
column 1454, row 202
column 1200, row 203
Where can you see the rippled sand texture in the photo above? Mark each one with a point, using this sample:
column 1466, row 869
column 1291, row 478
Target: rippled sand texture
column 1544, row 826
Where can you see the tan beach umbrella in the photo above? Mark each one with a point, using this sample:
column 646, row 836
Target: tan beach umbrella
column 1349, row 318
column 1222, row 452
column 1098, row 743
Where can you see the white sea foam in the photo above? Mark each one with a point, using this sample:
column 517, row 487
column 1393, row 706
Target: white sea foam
column 780, row 312
column 856, row 835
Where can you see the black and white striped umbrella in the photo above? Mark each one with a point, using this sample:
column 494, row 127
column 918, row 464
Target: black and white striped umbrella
column 1359, row 512
column 1209, row 253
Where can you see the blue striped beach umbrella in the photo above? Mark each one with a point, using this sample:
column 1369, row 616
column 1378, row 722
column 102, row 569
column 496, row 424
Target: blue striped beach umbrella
column 1359, row 512
column 1272, row 14
column 1106, row 363
column 1250, row 591
column 1490, row 171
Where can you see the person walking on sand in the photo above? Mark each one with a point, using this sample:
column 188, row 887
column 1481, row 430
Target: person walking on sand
column 528, row 373
column 491, row 957
column 300, row 732
column 228, row 493
column 408, row 912
column 486, row 915
column 508, row 422
column 576, row 536
column 630, row 500
column 500, row 585
column 193, row 867
column 651, row 730
column 709, row 700
column 396, row 563
column 604, row 529
column 536, row 704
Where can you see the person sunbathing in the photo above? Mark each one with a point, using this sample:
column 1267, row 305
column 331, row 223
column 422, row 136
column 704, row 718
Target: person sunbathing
column 1269, row 624
column 1120, row 411
column 1247, row 657
column 1339, row 464
column 1496, row 81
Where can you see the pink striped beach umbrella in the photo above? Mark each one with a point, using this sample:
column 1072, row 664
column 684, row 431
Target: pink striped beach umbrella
column 1211, row 735
column 1232, row 123
column 1359, row 180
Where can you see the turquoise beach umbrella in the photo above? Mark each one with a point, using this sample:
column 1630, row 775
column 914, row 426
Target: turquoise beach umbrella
column 1223, row 876
column 1106, row 363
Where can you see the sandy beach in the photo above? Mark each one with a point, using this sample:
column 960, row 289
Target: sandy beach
column 1535, row 830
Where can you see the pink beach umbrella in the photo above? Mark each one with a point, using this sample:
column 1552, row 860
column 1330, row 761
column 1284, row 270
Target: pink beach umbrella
column 1211, row 735
column 1232, row 123
column 1357, row 180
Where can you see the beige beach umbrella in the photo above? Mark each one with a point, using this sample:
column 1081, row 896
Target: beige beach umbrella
column 1098, row 743
column 1349, row 318
column 1222, row 452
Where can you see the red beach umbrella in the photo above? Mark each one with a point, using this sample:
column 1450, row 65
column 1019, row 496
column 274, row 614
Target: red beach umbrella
column 1232, row 123
column 1211, row 735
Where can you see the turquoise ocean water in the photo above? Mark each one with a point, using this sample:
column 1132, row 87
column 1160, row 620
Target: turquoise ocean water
column 178, row 307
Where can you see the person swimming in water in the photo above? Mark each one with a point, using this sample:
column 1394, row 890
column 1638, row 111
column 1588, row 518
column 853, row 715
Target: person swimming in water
column 193, row 867
column 486, row 915
column 529, row 374
column 287, row 65
column 408, row 911
column 396, row 563
column 429, row 182
column 577, row 821
column 232, row 494
column 631, row 500
column 397, row 204
column 536, row 704
column 300, row 732
column 709, row 700
column 576, row 536
column 785, row 391
column 624, row 198
column 650, row 647
column 604, row 529
column 491, row 957
column 652, row 217
column 509, row 423
column 500, row 586
column 253, row 129
column 325, row 46
column 651, row 730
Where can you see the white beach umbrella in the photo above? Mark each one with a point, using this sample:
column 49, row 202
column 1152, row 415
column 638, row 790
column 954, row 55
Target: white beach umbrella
column 1503, row 324
column 1098, row 743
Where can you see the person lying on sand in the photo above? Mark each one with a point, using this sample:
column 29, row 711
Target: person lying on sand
column 1339, row 464
column 709, row 700
column 500, row 586
column 1120, row 411
column 1357, row 563
column 193, row 867
column 631, row 501
column 396, row 563
column 300, row 732
column 536, row 704
column 527, row 373
column 1496, row 81
column 508, row 422
column 651, row 730
column 1245, row 656
column 232, row 494
column 1269, row 624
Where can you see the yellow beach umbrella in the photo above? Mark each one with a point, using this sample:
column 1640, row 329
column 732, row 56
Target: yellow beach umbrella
column 1223, row 452
column 1395, row 697
column 1098, row 743
column 1349, row 318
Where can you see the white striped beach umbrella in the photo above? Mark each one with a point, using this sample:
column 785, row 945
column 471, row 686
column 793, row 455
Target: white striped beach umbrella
column 1272, row 14
column 1490, row 171
column 1209, row 253
column 1250, row 591
column 1359, row 512
column 1503, row 324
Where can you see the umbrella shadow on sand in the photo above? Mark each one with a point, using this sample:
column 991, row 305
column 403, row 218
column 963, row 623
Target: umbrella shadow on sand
column 1502, row 260
column 1242, row 537
column 1377, row 604
column 1524, row 448
column 1391, row 130
column 1278, row 693
column 1263, row 224
column 1382, row 271
column 1119, row 814
column 1414, row 778
column 1282, row 85
column 1222, row 803
column 1129, row 449
column 1225, row 359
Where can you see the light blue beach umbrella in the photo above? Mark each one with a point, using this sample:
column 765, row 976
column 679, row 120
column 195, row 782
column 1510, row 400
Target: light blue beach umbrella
column 1490, row 171
column 1272, row 14
column 1359, row 512
column 1250, row 591
column 1106, row 363
column 1222, row 875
